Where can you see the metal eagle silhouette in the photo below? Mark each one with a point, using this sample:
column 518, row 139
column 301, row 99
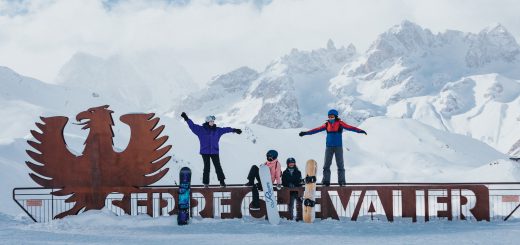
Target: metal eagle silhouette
column 100, row 170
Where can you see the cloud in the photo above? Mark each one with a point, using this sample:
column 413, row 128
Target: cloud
column 214, row 37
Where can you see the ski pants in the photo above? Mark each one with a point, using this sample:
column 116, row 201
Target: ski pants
column 216, row 162
column 293, row 196
column 254, row 174
column 338, row 152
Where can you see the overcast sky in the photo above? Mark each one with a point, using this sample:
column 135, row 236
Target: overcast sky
column 214, row 37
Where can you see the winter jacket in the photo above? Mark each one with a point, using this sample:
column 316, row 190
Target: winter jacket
column 209, row 136
column 334, row 132
column 292, row 180
column 275, row 169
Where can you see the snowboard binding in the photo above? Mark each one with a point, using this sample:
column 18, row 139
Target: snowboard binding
column 309, row 203
column 310, row 179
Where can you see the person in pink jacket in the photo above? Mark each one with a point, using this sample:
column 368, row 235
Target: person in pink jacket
column 276, row 173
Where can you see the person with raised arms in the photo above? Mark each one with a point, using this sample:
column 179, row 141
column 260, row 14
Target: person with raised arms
column 209, row 136
column 334, row 144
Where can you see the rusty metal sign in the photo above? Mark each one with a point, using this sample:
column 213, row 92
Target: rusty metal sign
column 87, row 179
column 510, row 198
column 359, row 201
column 34, row 203
column 417, row 201
column 99, row 170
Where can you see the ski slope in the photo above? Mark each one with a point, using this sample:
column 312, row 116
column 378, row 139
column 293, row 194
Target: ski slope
column 102, row 227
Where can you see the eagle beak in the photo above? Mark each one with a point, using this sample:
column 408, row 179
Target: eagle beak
column 83, row 116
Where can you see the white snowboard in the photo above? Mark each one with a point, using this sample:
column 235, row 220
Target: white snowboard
column 270, row 201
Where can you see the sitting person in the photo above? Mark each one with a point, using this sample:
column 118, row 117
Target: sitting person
column 275, row 169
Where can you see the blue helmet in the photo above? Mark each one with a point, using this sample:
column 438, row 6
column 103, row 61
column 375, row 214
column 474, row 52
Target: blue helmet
column 272, row 153
column 333, row 112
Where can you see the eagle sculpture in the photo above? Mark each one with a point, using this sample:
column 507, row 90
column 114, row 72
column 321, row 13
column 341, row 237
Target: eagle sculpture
column 100, row 170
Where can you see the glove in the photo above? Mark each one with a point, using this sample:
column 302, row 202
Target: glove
column 183, row 115
column 278, row 186
column 237, row 130
column 363, row 132
column 301, row 134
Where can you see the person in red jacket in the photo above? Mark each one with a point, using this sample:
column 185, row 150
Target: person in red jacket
column 334, row 127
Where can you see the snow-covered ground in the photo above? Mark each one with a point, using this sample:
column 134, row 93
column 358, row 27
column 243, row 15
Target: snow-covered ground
column 102, row 227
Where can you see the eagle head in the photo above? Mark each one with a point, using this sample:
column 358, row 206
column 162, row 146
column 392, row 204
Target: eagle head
column 95, row 117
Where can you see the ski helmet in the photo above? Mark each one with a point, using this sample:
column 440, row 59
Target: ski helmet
column 333, row 112
column 210, row 118
column 291, row 160
column 272, row 154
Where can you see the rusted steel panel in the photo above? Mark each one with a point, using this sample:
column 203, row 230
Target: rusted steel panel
column 99, row 170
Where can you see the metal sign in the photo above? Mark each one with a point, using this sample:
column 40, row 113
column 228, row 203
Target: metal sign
column 415, row 201
column 34, row 203
column 510, row 198
column 100, row 170
column 88, row 179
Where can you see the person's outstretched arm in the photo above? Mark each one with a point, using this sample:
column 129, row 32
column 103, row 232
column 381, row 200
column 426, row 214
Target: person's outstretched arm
column 226, row 130
column 194, row 127
column 352, row 128
column 314, row 130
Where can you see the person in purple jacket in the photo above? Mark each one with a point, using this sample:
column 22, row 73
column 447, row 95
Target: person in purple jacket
column 209, row 135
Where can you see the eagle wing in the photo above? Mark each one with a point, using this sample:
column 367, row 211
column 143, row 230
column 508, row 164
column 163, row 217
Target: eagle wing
column 144, row 155
column 55, row 162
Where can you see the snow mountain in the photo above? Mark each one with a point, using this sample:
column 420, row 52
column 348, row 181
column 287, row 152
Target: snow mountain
column 460, row 82
column 279, row 96
column 464, row 83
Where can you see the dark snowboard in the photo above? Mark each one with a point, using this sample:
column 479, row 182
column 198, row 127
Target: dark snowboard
column 184, row 196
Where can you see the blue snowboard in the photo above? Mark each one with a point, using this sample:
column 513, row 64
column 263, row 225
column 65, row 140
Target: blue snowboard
column 183, row 201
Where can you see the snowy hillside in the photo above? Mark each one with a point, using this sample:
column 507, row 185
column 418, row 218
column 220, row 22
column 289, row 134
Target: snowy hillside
column 151, row 81
column 279, row 96
column 485, row 107
column 460, row 82
column 24, row 99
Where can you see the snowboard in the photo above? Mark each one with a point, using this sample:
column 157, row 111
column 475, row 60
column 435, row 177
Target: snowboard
column 183, row 202
column 271, row 204
column 309, row 193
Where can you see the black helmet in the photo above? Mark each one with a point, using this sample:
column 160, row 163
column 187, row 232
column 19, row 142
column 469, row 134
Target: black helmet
column 272, row 154
column 291, row 160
